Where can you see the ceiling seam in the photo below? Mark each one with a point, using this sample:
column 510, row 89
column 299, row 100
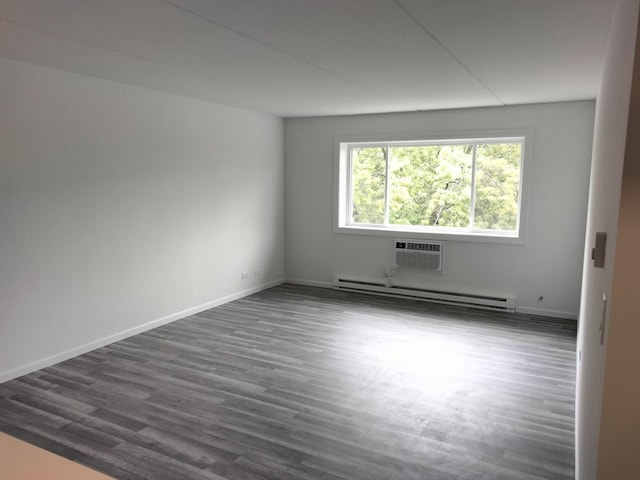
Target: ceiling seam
column 272, row 47
column 264, row 44
column 135, row 56
column 81, row 41
column 422, row 27
column 152, row 61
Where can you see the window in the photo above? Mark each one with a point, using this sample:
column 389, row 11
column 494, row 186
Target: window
column 466, row 187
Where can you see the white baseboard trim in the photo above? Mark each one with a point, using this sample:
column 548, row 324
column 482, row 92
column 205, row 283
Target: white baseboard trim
column 309, row 283
column 74, row 352
column 547, row 313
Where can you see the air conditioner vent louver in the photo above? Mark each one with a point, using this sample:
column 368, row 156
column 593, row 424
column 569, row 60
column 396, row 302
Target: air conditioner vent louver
column 432, row 247
column 427, row 255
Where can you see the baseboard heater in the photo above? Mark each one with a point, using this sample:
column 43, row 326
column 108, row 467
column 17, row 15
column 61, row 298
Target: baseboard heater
column 505, row 304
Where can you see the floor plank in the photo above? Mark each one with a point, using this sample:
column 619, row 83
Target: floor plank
column 305, row 383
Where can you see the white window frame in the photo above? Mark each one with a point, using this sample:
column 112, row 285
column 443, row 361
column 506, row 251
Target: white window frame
column 342, row 186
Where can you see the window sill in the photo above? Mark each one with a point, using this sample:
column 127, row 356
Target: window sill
column 420, row 233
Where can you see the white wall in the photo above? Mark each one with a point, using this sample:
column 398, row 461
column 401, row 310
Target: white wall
column 550, row 263
column 121, row 206
column 608, row 392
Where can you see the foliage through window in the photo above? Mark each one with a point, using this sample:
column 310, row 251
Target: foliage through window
column 468, row 186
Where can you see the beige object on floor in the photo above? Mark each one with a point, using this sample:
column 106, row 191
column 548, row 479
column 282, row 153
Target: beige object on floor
column 22, row 461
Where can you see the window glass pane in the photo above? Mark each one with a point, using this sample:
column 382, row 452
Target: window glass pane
column 430, row 185
column 368, row 174
column 497, row 186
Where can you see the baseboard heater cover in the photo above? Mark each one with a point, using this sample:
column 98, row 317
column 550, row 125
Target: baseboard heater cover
column 487, row 302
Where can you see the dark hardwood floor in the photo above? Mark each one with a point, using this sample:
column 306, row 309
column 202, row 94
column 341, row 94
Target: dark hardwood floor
column 306, row 383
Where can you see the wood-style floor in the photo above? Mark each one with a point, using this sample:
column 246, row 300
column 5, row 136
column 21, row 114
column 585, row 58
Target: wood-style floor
column 306, row 383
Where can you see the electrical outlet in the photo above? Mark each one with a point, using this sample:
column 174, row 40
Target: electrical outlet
column 245, row 275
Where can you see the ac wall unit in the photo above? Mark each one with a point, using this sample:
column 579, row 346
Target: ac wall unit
column 420, row 254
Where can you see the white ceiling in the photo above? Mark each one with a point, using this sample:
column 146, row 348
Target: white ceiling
column 323, row 57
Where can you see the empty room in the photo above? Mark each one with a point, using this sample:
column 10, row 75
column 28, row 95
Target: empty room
column 319, row 239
